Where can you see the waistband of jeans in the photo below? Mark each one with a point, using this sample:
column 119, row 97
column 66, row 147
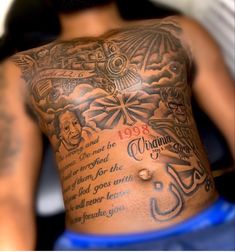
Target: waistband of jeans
column 219, row 212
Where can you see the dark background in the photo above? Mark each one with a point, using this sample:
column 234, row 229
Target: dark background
column 31, row 23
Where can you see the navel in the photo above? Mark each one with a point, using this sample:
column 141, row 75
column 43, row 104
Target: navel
column 145, row 174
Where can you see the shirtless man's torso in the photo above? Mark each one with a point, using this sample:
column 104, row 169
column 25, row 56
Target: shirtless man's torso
column 114, row 99
column 117, row 112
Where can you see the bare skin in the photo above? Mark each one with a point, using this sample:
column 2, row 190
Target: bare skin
column 117, row 111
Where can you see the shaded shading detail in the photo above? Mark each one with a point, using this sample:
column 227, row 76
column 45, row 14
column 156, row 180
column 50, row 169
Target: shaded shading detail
column 69, row 129
column 27, row 65
column 149, row 47
column 157, row 52
column 113, row 80
column 174, row 100
column 116, row 67
column 126, row 109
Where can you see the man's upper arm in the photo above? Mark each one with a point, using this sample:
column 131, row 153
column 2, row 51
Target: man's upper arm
column 20, row 140
column 213, row 87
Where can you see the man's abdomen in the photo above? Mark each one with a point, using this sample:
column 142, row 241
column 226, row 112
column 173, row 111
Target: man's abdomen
column 117, row 110
column 133, row 179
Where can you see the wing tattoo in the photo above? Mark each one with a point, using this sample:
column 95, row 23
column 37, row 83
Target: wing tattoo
column 26, row 64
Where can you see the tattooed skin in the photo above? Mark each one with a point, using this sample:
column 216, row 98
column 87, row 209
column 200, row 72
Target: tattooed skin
column 117, row 111
column 9, row 142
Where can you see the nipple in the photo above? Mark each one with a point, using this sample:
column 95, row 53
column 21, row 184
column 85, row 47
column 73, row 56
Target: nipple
column 145, row 174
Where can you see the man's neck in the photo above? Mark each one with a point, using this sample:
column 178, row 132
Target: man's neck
column 92, row 22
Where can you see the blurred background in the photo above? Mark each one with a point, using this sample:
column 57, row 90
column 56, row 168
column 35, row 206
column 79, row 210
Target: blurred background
column 26, row 24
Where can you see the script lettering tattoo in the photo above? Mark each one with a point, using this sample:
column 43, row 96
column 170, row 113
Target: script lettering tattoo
column 86, row 185
column 138, row 147
column 100, row 213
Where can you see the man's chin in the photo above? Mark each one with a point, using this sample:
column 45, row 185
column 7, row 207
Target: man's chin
column 74, row 142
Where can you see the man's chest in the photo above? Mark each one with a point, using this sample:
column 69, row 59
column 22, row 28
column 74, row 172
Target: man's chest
column 124, row 62
column 120, row 76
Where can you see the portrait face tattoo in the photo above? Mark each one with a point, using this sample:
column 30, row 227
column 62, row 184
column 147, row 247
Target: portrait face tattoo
column 177, row 107
column 70, row 129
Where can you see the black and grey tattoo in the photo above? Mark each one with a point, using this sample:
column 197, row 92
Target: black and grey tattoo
column 135, row 81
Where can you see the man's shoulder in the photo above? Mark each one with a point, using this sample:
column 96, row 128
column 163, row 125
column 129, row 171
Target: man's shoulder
column 187, row 29
column 179, row 26
column 27, row 60
column 152, row 23
column 32, row 53
column 184, row 23
column 157, row 20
